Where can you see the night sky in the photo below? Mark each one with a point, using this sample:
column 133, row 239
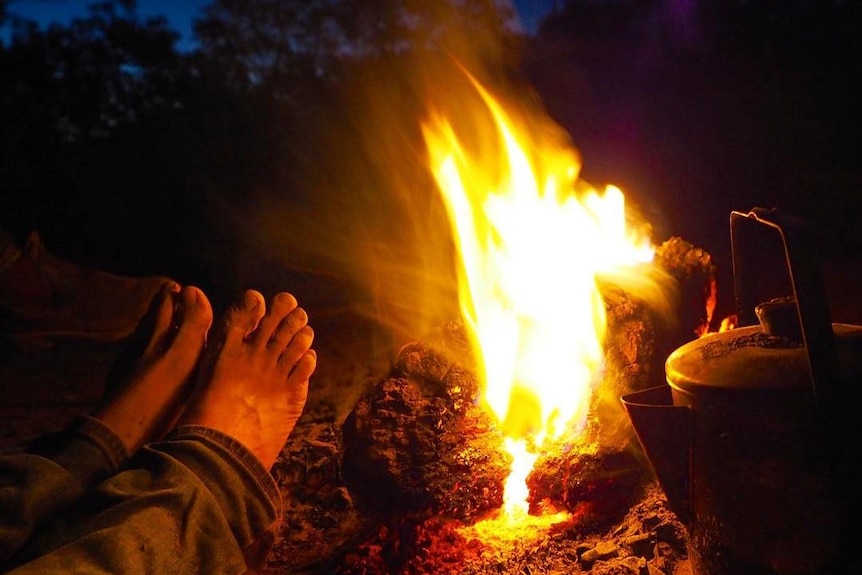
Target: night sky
column 180, row 13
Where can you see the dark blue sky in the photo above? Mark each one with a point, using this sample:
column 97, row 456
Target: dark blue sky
column 181, row 12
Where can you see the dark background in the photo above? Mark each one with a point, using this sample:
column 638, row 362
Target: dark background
column 130, row 156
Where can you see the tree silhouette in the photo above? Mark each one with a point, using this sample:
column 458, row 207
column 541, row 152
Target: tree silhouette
column 272, row 45
column 80, row 104
column 108, row 129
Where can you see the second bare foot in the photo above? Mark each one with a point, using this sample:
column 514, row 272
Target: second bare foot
column 254, row 374
column 146, row 397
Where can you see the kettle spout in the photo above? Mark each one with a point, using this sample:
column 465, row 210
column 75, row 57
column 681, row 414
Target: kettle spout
column 665, row 433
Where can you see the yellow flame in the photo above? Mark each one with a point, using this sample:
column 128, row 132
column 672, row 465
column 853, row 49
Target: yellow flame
column 515, row 491
column 531, row 239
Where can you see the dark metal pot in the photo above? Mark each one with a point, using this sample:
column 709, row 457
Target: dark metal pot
column 750, row 438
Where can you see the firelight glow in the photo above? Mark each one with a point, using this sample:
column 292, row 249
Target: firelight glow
column 531, row 239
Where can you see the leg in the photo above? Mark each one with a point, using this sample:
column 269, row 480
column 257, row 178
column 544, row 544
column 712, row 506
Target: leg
column 201, row 501
column 142, row 405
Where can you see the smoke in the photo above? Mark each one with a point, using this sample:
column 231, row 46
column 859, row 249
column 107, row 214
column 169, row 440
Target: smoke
column 368, row 211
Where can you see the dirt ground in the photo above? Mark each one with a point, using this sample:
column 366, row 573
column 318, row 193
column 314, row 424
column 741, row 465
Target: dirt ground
column 45, row 381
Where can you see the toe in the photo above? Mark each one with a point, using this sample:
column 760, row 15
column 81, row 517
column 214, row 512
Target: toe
column 289, row 327
column 159, row 320
column 196, row 313
column 283, row 304
column 305, row 366
column 243, row 315
column 299, row 344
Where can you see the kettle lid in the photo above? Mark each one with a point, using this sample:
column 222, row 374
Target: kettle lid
column 794, row 346
column 750, row 358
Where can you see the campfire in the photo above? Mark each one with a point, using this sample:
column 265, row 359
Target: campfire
column 532, row 242
column 501, row 430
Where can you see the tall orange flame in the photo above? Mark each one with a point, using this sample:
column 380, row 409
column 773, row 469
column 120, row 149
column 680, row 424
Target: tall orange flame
column 531, row 239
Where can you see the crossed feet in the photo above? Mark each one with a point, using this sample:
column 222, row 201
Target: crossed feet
column 247, row 379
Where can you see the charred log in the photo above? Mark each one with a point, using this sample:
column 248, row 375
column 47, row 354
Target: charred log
column 641, row 335
column 595, row 479
column 694, row 271
column 418, row 443
column 631, row 362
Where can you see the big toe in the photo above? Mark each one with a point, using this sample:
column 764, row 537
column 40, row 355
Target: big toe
column 196, row 312
column 181, row 319
column 243, row 314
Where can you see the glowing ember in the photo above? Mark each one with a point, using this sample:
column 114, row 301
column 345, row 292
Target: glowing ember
column 531, row 239
column 501, row 530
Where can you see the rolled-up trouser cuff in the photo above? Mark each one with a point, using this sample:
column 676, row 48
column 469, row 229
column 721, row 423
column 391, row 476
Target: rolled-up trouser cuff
column 246, row 492
column 263, row 478
column 87, row 449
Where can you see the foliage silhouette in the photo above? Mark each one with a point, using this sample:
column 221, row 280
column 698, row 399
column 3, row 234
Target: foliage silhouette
column 110, row 135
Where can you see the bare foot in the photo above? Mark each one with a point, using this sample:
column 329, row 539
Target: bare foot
column 254, row 373
column 145, row 393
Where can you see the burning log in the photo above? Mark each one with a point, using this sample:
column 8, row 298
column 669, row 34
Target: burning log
column 694, row 271
column 598, row 473
column 419, row 442
column 601, row 472
column 596, row 481
column 639, row 337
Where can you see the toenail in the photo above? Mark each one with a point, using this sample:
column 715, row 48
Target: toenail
column 307, row 332
column 251, row 300
column 286, row 299
column 297, row 318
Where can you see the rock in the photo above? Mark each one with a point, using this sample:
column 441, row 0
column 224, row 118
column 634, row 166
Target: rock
column 602, row 550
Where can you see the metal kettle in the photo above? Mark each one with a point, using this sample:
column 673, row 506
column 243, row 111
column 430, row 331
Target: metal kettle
column 750, row 439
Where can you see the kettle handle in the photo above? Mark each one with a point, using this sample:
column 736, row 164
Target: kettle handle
column 808, row 292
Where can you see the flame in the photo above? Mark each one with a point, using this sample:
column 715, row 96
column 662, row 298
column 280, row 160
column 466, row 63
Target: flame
column 531, row 240
column 515, row 489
